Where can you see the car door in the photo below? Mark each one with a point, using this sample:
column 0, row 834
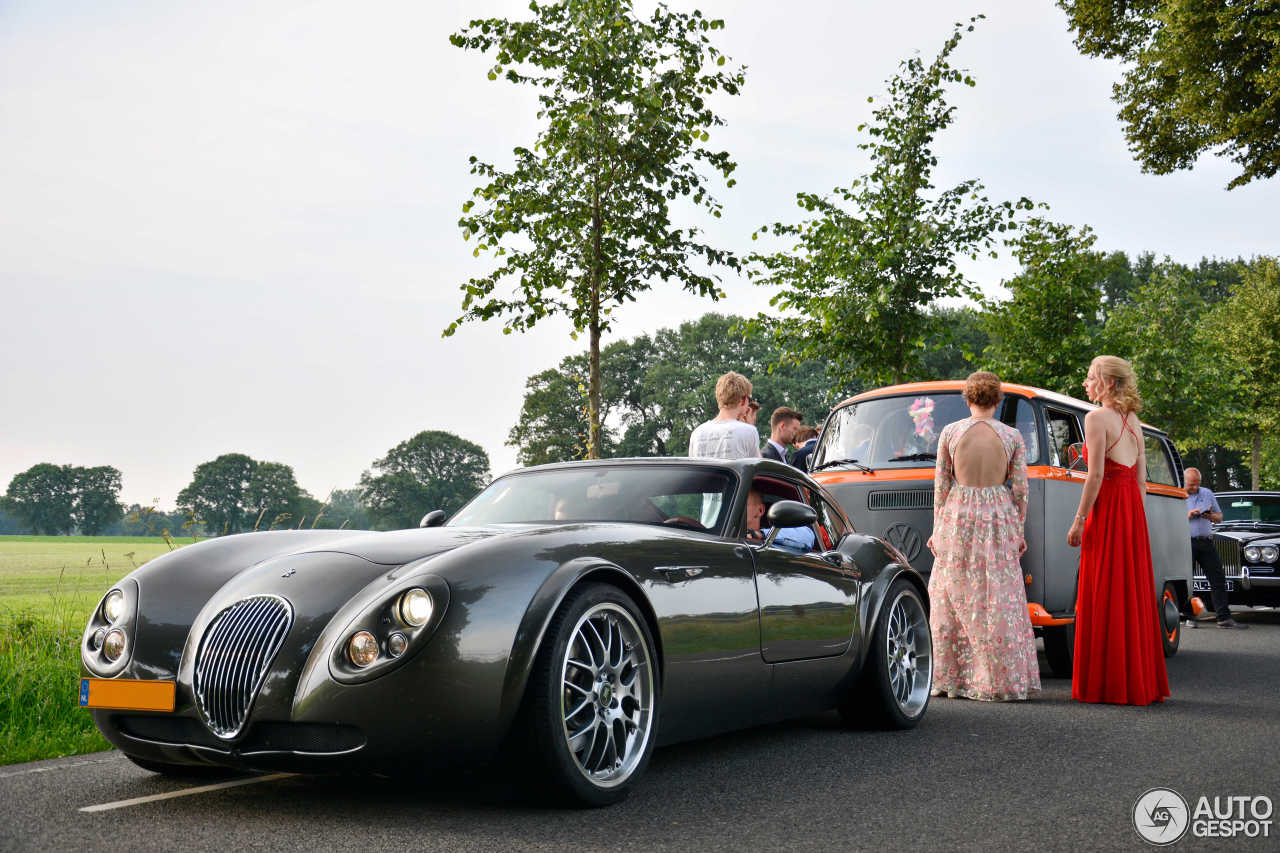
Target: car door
column 808, row 606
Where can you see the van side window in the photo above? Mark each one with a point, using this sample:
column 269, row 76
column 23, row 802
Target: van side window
column 1159, row 469
column 1022, row 417
column 1064, row 431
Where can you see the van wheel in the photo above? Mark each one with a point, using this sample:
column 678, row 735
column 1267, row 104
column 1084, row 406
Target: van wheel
column 1170, row 621
column 1060, row 648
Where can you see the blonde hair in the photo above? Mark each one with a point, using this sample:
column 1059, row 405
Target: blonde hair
column 982, row 389
column 1124, row 382
column 731, row 389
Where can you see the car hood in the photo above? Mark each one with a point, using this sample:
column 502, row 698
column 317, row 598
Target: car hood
column 1248, row 532
column 397, row 547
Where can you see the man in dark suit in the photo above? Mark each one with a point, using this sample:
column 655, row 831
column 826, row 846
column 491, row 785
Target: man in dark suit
column 807, row 439
column 782, row 427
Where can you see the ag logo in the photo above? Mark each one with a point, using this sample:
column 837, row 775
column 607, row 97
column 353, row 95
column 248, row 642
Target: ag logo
column 905, row 538
column 1161, row 816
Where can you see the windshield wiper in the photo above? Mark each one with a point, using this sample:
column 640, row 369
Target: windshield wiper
column 853, row 462
column 913, row 457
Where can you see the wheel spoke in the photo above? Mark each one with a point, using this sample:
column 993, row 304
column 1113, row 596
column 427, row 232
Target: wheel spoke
column 578, row 710
column 580, row 665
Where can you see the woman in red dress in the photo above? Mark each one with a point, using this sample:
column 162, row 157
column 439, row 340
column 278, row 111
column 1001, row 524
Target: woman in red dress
column 1118, row 655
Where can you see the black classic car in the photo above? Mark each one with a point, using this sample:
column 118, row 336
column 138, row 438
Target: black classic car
column 1248, row 542
column 568, row 619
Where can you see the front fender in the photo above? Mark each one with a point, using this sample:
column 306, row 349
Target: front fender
column 537, row 618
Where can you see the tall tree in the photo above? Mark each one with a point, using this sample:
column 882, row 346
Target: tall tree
column 954, row 349
column 1046, row 332
column 97, row 499
column 878, row 252
column 1202, row 76
column 583, row 222
column 1245, row 332
column 235, row 492
column 432, row 470
column 44, row 496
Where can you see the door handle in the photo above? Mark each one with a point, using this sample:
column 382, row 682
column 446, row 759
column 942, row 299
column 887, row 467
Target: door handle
column 675, row 573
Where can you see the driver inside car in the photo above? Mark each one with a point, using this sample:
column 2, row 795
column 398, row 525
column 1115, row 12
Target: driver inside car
column 799, row 540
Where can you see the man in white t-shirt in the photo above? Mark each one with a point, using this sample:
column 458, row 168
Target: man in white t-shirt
column 725, row 436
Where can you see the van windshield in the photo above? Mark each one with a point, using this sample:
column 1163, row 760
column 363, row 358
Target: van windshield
column 892, row 432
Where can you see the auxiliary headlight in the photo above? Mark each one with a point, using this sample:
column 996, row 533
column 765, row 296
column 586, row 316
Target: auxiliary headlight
column 362, row 648
column 1253, row 554
column 113, row 645
column 415, row 607
column 1269, row 553
column 113, row 606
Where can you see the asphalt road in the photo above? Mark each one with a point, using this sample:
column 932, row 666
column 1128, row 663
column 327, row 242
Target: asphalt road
column 1048, row 774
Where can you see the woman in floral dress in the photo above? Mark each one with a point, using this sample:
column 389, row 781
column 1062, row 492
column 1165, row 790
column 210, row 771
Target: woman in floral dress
column 983, row 643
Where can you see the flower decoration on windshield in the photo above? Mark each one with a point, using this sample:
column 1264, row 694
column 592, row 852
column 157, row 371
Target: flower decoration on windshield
column 921, row 412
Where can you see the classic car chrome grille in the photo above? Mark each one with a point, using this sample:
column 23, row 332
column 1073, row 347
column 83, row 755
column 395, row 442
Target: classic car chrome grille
column 901, row 499
column 233, row 657
column 1229, row 554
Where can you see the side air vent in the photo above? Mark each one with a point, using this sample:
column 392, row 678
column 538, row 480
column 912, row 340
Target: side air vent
column 233, row 659
column 901, row 499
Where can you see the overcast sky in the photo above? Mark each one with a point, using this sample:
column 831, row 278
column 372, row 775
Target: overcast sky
column 231, row 227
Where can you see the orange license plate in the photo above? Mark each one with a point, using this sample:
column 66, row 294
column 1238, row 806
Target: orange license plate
column 127, row 694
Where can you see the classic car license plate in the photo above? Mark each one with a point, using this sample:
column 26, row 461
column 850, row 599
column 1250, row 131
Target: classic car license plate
column 126, row 694
column 1203, row 586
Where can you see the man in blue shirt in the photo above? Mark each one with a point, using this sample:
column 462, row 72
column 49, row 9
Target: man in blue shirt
column 1202, row 508
column 797, row 540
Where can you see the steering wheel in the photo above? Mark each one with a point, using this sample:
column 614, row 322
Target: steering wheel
column 684, row 521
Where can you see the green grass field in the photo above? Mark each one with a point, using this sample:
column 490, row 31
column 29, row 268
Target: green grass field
column 48, row 587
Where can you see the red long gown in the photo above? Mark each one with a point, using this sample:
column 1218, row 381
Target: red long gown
column 1119, row 658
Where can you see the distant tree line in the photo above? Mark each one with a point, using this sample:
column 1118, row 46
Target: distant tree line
column 235, row 493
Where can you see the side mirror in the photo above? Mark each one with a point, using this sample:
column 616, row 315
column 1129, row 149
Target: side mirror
column 791, row 514
column 1075, row 457
column 435, row 518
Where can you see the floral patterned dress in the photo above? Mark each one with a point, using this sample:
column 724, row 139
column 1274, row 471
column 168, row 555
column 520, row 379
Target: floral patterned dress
column 983, row 643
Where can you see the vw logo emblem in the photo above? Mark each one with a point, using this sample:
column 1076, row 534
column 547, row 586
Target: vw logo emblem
column 905, row 538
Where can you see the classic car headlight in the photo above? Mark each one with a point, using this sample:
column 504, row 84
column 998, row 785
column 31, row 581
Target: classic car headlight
column 362, row 648
column 415, row 607
column 1253, row 554
column 114, row 644
column 113, row 606
column 106, row 644
column 1268, row 553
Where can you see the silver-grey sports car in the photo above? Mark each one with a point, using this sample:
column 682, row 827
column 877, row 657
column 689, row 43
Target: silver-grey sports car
column 572, row 615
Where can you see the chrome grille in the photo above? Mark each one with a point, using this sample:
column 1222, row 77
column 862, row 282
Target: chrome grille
column 233, row 658
column 901, row 499
column 1229, row 555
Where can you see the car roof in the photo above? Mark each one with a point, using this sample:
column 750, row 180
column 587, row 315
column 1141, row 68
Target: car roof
column 958, row 385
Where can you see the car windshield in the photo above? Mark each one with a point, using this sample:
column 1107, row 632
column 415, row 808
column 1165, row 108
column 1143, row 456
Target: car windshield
column 1265, row 508
column 678, row 496
column 889, row 431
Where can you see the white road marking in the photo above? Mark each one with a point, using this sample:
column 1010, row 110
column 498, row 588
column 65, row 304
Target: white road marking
column 185, row 792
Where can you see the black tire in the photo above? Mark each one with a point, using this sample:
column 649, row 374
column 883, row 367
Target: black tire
column 1060, row 648
column 610, row 716
column 1167, row 611
column 893, row 691
column 184, row 771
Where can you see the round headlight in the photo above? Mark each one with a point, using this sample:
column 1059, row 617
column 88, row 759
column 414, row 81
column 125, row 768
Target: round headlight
column 1253, row 554
column 1269, row 553
column 113, row 605
column 113, row 645
column 95, row 641
column 362, row 648
column 396, row 644
column 415, row 607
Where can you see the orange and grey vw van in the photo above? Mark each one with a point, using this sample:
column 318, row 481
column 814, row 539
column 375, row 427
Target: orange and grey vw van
column 876, row 455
